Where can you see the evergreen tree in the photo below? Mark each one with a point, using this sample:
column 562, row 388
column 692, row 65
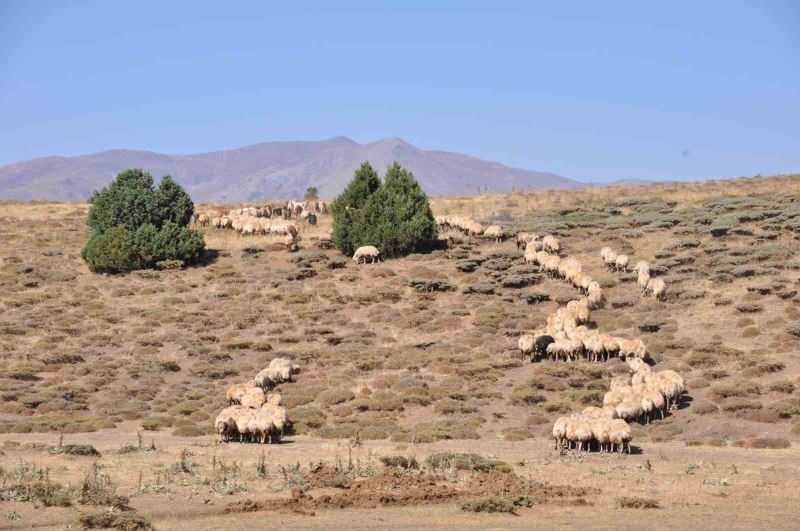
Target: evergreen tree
column 128, row 201
column 397, row 218
column 346, row 207
column 136, row 226
column 172, row 203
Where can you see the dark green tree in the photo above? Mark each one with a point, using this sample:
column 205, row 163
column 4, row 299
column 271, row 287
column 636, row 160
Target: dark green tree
column 311, row 194
column 136, row 226
column 110, row 252
column 346, row 208
column 397, row 218
column 172, row 203
column 128, row 201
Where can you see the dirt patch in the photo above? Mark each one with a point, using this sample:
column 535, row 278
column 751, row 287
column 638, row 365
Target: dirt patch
column 394, row 487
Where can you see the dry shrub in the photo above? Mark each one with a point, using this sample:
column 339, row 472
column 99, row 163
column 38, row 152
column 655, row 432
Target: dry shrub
column 517, row 434
column 188, row 431
column 523, row 395
column 334, row 396
column 636, row 502
column 488, row 504
column 739, row 404
column 763, row 443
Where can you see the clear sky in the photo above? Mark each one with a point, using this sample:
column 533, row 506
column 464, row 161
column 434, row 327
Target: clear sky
column 594, row 90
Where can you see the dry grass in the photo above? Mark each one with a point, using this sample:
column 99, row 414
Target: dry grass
column 419, row 351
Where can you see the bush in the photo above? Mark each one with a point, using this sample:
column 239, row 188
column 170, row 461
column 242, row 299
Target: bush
column 346, row 208
column 489, row 504
column 395, row 216
column 135, row 226
column 111, row 252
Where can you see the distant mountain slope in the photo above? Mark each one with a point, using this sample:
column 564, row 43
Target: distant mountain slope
column 269, row 170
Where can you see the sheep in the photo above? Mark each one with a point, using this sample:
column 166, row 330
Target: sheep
column 608, row 256
column 225, row 423
column 630, row 408
column 582, row 434
column 283, row 362
column 269, row 377
column 620, row 435
column 601, row 432
column 278, row 419
column 242, row 420
column 526, row 344
column 560, row 431
column 632, row 348
column 618, row 382
column 642, row 270
column 203, row 220
column 621, row 263
column 595, row 296
column 592, row 412
column 551, row 244
column 253, row 398
column 216, row 222
column 237, row 391
column 540, row 345
column 366, row 252
column 657, row 287
column 494, row 231
column 475, row 229
column 641, row 267
column 524, row 238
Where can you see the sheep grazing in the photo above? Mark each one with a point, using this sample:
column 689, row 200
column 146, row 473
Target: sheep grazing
column 285, row 367
column 362, row 254
column 621, row 263
column 595, row 428
column 269, row 378
column 551, row 244
column 595, row 296
column 657, row 288
column 608, row 256
column 632, row 348
column 620, row 435
column 237, row 391
column 253, row 398
column 526, row 344
column 225, row 423
column 494, row 231
column 560, row 431
column 524, row 238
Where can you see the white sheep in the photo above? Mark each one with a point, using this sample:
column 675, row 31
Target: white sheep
column 657, row 288
column 620, row 435
column 551, row 244
column 494, row 231
column 621, row 263
column 366, row 252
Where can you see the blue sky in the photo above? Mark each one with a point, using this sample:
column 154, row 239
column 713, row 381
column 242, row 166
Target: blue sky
column 595, row 91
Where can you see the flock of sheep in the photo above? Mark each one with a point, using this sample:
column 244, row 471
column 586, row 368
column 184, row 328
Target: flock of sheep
column 276, row 220
column 565, row 336
column 252, row 415
column 619, row 262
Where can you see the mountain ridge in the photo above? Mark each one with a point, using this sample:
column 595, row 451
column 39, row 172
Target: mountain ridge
column 269, row 170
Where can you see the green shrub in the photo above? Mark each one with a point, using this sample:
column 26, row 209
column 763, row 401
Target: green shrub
column 395, row 216
column 136, row 226
column 346, row 208
column 111, row 252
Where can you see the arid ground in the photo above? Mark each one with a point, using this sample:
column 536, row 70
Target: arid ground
column 413, row 406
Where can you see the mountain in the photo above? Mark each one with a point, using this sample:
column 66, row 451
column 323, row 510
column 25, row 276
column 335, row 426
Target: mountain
column 269, row 170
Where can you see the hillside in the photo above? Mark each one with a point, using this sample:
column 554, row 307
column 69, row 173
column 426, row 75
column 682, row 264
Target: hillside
column 269, row 170
column 412, row 360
